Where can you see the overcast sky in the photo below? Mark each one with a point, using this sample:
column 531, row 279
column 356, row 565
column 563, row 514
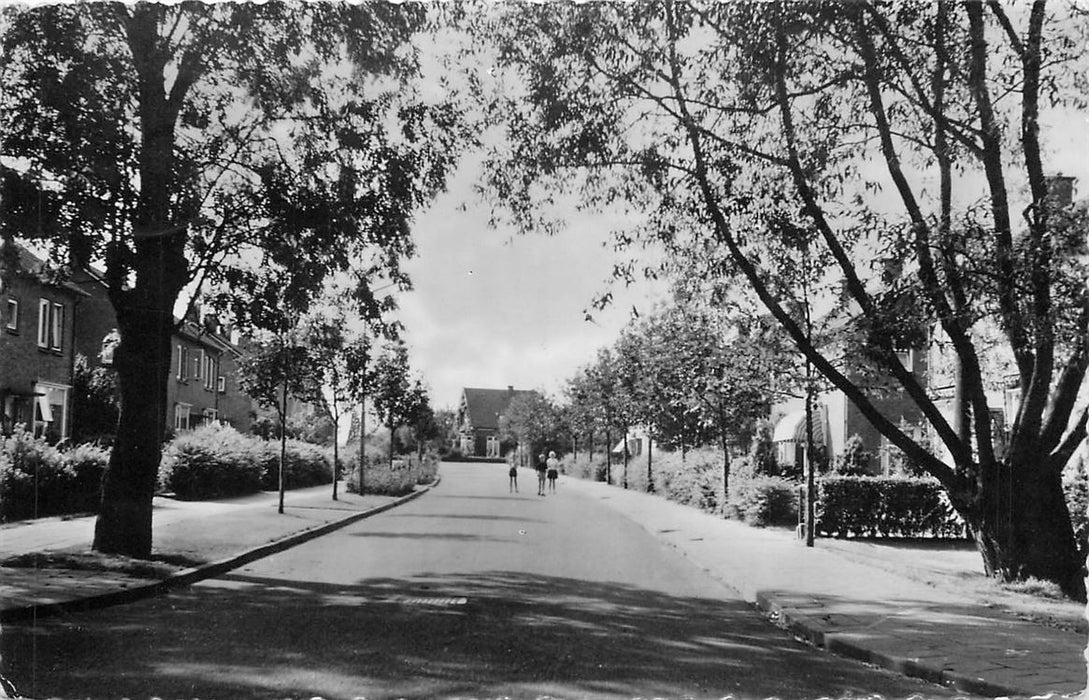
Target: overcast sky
column 492, row 308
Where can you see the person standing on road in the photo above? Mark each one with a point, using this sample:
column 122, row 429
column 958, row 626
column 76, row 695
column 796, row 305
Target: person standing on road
column 553, row 471
column 542, row 466
column 513, row 477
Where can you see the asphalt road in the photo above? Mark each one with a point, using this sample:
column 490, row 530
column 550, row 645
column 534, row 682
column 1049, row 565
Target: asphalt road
column 468, row 592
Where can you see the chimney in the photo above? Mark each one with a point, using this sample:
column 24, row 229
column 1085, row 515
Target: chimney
column 510, row 390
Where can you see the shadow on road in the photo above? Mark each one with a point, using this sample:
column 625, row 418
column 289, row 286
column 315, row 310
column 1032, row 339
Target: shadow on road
column 514, row 634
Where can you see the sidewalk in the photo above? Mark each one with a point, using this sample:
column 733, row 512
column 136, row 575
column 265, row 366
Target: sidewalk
column 209, row 536
column 861, row 611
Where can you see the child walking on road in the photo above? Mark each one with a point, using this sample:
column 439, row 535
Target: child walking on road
column 542, row 466
column 513, row 478
column 553, row 471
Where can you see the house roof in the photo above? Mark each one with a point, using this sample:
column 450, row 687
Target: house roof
column 30, row 264
column 484, row 406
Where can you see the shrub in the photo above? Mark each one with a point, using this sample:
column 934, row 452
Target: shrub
column 854, row 460
column 212, row 461
column 697, row 482
column 863, row 506
column 399, row 480
column 38, row 479
column 305, row 464
column 765, row 501
column 584, row 467
column 216, row 461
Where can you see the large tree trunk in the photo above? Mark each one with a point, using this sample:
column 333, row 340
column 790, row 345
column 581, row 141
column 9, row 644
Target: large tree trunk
column 1020, row 523
column 144, row 312
column 128, row 486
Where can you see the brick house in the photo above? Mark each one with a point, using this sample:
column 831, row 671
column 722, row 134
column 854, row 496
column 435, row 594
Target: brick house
column 478, row 419
column 37, row 328
column 203, row 382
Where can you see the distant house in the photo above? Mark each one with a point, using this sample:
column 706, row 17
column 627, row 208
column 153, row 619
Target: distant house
column 478, row 419
column 37, row 323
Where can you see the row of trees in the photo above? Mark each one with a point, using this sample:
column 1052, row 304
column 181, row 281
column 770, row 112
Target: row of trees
column 258, row 148
column 889, row 158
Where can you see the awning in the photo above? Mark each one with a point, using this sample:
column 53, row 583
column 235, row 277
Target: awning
column 791, row 427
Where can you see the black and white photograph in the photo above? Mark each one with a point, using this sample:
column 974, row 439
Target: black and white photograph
column 544, row 350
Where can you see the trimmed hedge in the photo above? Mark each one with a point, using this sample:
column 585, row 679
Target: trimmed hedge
column 216, row 461
column 871, row 506
column 40, row 480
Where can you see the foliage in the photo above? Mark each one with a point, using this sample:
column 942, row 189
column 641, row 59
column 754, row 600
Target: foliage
column 190, row 145
column 398, row 398
column 861, row 506
column 95, row 403
column 765, row 501
column 398, row 478
column 799, row 154
column 854, row 460
column 216, row 461
column 38, row 479
column 762, row 453
column 533, row 419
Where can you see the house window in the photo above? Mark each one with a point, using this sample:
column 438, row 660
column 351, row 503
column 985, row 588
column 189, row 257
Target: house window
column 109, row 346
column 181, row 416
column 183, row 363
column 221, row 385
column 209, row 372
column 43, row 323
column 13, row 315
column 50, row 325
column 50, row 415
column 56, row 336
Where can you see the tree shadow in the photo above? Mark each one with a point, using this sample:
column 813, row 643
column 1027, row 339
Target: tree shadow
column 515, row 634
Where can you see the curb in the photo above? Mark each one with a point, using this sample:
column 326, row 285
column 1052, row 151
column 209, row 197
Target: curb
column 799, row 625
column 198, row 573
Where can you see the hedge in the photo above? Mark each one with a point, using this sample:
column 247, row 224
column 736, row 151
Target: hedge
column 216, row 461
column 399, row 480
column 39, row 480
column 765, row 501
column 870, row 506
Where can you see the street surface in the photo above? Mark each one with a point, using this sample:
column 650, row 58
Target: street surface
column 469, row 591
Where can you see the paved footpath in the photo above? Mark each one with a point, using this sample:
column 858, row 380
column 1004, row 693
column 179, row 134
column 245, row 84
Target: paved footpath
column 863, row 611
column 844, row 606
column 211, row 536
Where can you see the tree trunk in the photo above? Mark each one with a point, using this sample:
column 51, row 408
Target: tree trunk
column 725, row 474
column 650, row 472
column 608, row 458
column 336, row 456
column 128, row 485
column 283, row 443
column 1020, row 523
column 362, row 444
column 624, row 447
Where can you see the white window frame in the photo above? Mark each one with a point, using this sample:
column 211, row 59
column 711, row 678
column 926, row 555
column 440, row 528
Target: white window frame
column 13, row 314
column 182, row 415
column 56, row 326
column 221, row 384
column 43, row 323
column 183, row 362
column 209, row 372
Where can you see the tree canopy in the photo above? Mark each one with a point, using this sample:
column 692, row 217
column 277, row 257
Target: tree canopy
column 192, row 144
column 886, row 160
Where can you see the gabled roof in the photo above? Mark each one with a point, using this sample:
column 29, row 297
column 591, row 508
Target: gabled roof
column 484, row 406
column 31, row 265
